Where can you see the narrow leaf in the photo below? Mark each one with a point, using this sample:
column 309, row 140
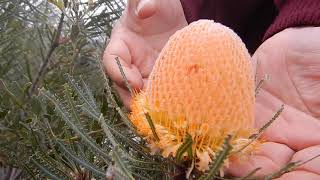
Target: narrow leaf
column 81, row 161
column 250, row 174
column 186, row 146
column 264, row 127
column 65, row 116
column 260, row 83
column 112, row 99
column 219, row 159
column 153, row 128
column 84, row 96
column 254, row 137
column 124, row 76
column 45, row 170
column 107, row 131
column 287, row 168
column 120, row 163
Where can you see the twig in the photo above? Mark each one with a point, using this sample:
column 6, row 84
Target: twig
column 54, row 45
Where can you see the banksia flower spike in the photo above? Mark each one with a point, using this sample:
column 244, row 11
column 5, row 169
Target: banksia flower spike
column 202, row 85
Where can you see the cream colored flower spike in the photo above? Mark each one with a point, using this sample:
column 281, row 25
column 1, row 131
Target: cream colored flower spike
column 202, row 84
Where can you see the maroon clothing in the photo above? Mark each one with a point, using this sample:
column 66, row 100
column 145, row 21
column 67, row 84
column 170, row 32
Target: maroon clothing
column 255, row 20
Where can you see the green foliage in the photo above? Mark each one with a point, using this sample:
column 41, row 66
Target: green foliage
column 185, row 147
column 153, row 128
column 218, row 161
column 54, row 125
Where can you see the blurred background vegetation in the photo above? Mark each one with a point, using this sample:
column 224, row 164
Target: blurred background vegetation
column 59, row 118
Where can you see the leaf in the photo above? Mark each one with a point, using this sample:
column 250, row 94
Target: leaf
column 107, row 131
column 10, row 94
column 254, row 137
column 61, row 110
column 58, row 3
column 153, row 128
column 287, row 168
column 124, row 76
column 219, row 159
column 265, row 126
column 185, row 147
column 46, row 169
column 85, row 95
column 75, row 30
column 260, row 83
column 112, row 98
column 3, row 113
column 35, row 105
column 120, row 164
column 80, row 160
column 250, row 174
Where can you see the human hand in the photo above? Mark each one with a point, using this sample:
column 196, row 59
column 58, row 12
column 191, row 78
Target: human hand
column 292, row 59
column 137, row 39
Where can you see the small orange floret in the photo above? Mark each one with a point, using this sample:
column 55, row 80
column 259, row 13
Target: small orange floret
column 202, row 84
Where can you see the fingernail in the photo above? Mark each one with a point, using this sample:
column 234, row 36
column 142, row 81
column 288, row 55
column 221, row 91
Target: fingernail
column 145, row 8
column 140, row 5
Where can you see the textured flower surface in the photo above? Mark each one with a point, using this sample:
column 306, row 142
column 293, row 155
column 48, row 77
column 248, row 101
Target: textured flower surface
column 202, row 84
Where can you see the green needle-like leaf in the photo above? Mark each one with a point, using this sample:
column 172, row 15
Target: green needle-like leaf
column 218, row 161
column 153, row 128
column 186, row 146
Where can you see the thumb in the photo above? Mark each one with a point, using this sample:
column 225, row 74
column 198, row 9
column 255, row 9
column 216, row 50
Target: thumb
column 142, row 8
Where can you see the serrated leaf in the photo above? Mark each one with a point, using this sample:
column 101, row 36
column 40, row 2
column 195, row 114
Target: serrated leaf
column 81, row 160
column 219, row 159
column 124, row 75
column 66, row 117
column 107, row 131
column 120, row 164
column 185, row 147
column 47, row 171
column 152, row 127
column 250, row 174
column 287, row 168
column 85, row 95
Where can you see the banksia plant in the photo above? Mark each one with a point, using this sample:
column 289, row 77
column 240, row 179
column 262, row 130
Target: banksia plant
column 201, row 86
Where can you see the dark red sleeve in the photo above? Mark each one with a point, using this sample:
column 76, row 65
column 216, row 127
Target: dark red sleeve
column 255, row 20
column 294, row 13
column 191, row 9
column 248, row 18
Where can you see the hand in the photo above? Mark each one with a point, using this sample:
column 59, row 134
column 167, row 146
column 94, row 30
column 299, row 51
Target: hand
column 137, row 39
column 292, row 59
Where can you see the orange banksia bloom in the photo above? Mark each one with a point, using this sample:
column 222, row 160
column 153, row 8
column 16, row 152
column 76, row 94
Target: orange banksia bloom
column 202, row 84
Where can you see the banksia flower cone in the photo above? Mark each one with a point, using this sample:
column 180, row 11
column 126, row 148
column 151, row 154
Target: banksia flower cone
column 202, row 85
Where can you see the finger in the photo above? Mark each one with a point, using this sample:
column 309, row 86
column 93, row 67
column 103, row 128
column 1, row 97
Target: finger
column 124, row 95
column 270, row 157
column 146, row 8
column 141, row 8
column 117, row 48
column 307, row 154
column 299, row 175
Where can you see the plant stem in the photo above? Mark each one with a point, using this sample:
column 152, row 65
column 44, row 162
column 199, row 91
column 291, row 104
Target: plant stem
column 54, row 45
